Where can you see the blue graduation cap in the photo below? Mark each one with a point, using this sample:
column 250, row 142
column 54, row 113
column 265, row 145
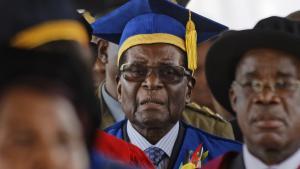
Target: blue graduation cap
column 31, row 23
column 156, row 21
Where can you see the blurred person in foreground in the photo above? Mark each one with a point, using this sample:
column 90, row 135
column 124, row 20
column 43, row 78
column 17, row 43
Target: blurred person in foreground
column 47, row 110
column 62, row 31
column 258, row 79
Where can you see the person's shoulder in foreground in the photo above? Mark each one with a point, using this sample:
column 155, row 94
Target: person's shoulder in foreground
column 122, row 151
column 98, row 161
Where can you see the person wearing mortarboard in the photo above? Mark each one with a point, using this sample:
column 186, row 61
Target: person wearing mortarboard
column 198, row 116
column 156, row 58
column 109, row 145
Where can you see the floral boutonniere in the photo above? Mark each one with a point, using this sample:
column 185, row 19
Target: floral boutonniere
column 195, row 159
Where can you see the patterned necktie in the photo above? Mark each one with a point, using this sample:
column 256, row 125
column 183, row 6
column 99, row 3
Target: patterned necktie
column 155, row 154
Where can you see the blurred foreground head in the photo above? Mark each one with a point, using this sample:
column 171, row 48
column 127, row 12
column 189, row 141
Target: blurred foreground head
column 48, row 111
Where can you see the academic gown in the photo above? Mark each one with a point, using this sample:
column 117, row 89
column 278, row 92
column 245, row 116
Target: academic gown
column 189, row 138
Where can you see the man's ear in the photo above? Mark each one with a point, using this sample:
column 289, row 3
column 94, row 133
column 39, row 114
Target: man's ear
column 102, row 50
column 232, row 97
column 190, row 86
column 117, row 79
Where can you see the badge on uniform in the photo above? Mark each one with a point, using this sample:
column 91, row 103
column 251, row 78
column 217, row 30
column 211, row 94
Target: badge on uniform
column 195, row 158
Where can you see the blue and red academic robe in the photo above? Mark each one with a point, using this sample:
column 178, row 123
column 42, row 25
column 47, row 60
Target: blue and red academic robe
column 117, row 149
column 188, row 140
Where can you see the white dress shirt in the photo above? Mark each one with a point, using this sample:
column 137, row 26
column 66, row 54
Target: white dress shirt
column 251, row 162
column 166, row 143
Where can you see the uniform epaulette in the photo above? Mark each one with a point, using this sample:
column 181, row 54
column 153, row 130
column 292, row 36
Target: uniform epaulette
column 205, row 110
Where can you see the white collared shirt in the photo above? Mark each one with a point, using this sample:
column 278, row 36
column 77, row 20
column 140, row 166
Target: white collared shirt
column 166, row 143
column 251, row 162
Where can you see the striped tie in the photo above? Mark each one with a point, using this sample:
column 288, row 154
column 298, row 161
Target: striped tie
column 155, row 154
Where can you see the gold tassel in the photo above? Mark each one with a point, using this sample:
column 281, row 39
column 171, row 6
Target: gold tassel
column 191, row 43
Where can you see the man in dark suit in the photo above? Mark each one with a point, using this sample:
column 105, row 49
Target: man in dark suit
column 258, row 79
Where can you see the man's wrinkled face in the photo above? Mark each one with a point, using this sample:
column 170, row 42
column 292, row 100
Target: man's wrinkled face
column 266, row 97
column 39, row 131
column 158, row 100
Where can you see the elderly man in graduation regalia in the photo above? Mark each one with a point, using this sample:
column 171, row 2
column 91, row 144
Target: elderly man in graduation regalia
column 157, row 57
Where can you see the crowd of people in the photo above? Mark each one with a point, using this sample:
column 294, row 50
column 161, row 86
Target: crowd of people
column 145, row 84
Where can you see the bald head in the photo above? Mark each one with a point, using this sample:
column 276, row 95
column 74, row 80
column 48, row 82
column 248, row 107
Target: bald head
column 295, row 16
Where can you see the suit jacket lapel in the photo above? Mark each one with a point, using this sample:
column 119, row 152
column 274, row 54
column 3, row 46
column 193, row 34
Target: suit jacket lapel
column 177, row 146
column 124, row 131
column 238, row 162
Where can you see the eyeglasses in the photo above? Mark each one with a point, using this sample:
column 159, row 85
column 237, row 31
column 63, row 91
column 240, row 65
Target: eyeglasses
column 166, row 73
column 278, row 86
